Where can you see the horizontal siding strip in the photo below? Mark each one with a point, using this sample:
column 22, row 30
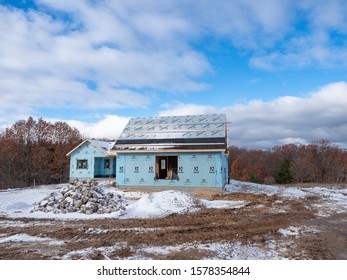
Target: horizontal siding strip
column 169, row 151
column 171, row 147
column 215, row 140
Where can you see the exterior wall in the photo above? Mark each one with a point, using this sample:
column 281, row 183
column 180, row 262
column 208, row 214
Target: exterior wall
column 95, row 160
column 194, row 170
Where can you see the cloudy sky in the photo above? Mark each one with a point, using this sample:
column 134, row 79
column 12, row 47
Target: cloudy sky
column 276, row 68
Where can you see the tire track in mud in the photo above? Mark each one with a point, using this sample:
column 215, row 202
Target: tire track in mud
column 259, row 223
column 256, row 223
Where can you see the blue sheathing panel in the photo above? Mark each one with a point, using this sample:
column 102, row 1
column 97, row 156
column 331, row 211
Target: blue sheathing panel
column 120, row 172
column 194, row 170
column 101, row 171
column 225, row 169
column 95, row 159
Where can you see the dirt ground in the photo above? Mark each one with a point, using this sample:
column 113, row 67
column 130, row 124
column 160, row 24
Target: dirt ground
column 257, row 224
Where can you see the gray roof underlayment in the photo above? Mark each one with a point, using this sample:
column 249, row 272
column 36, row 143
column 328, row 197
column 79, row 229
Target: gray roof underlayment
column 105, row 147
column 193, row 132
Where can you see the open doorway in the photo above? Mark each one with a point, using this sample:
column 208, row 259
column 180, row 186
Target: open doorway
column 166, row 167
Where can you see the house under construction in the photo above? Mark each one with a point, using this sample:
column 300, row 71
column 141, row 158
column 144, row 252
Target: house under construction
column 180, row 151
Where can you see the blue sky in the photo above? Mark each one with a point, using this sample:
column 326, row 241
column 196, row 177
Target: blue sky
column 276, row 68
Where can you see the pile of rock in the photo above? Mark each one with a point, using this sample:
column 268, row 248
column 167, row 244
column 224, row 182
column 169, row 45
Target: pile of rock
column 81, row 197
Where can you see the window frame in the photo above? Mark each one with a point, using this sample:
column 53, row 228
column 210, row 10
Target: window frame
column 81, row 164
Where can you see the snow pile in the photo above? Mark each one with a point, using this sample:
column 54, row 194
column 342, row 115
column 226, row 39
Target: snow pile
column 87, row 198
column 163, row 203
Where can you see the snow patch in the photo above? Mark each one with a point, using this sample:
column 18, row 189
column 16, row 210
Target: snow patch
column 19, row 224
column 296, row 231
column 238, row 251
column 22, row 237
column 221, row 251
column 87, row 253
column 132, row 230
column 238, row 186
column 18, row 206
column 291, row 231
column 219, row 204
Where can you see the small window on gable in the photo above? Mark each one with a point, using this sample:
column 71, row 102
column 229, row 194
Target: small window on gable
column 82, row 164
column 107, row 164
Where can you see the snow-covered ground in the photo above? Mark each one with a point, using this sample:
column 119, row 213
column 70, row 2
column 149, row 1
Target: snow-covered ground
column 330, row 199
column 19, row 202
column 223, row 250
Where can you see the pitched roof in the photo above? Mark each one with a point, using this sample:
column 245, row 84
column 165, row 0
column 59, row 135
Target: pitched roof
column 193, row 132
column 103, row 146
column 106, row 146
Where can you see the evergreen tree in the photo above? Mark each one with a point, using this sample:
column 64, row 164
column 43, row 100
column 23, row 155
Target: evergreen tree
column 283, row 174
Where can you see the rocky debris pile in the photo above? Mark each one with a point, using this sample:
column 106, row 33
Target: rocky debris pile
column 81, row 197
column 91, row 182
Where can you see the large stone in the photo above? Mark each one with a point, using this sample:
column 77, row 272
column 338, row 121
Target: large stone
column 68, row 193
column 43, row 203
column 87, row 193
column 51, row 203
column 78, row 203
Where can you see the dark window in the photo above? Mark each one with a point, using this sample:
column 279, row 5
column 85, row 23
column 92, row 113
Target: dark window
column 82, row 164
column 166, row 167
column 107, row 164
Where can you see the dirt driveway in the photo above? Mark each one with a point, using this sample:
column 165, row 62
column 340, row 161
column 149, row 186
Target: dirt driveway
column 268, row 227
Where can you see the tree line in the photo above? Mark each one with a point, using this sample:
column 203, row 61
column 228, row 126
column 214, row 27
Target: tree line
column 34, row 152
column 320, row 162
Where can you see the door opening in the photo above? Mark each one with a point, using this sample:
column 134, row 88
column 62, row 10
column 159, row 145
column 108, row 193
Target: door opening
column 166, row 167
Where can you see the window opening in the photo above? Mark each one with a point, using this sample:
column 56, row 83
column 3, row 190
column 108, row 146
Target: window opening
column 82, row 164
column 166, row 167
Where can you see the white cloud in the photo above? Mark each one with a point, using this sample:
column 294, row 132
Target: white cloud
column 319, row 42
column 320, row 115
column 248, row 24
column 110, row 127
column 125, row 49
column 305, row 52
column 181, row 109
column 47, row 62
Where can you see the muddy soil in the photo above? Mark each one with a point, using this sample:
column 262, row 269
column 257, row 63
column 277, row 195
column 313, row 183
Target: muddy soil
column 260, row 224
